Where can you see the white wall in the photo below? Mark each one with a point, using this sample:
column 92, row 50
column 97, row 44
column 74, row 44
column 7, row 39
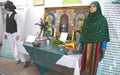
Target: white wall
column 1, row 26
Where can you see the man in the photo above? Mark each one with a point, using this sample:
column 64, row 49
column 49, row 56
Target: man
column 12, row 34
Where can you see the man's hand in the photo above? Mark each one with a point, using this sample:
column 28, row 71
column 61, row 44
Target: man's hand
column 17, row 37
column 5, row 37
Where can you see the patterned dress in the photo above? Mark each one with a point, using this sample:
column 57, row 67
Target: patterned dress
column 94, row 33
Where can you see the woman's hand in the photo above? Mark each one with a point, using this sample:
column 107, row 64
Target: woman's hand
column 17, row 37
column 103, row 51
column 102, row 54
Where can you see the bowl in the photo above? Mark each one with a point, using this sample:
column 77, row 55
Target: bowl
column 36, row 44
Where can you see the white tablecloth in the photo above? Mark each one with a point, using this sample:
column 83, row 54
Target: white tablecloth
column 71, row 61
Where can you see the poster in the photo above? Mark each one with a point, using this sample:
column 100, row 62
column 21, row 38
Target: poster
column 66, row 19
column 110, row 65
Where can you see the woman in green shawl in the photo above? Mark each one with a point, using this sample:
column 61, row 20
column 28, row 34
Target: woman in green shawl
column 94, row 38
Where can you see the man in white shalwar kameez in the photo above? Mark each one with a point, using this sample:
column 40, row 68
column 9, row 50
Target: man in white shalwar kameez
column 13, row 34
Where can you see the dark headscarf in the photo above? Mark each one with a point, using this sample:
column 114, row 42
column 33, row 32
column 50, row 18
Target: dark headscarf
column 10, row 5
column 95, row 27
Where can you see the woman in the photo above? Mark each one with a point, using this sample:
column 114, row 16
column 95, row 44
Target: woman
column 94, row 38
column 13, row 32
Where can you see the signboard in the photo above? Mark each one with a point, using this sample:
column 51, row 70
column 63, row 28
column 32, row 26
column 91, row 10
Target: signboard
column 110, row 65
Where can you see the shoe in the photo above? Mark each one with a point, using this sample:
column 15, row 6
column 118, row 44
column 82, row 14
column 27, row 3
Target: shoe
column 27, row 63
column 18, row 62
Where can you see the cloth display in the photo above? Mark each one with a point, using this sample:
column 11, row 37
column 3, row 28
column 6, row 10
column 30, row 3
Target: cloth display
column 71, row 61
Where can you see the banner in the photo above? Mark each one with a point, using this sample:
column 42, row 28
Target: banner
column 71, row 1
column 110, row 65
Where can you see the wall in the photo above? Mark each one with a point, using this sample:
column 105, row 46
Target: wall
column 1, row 26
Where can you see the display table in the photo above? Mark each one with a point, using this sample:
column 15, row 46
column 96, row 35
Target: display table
column 45, row 56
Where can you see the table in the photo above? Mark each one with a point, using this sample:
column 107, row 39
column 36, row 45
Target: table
column 45, row 56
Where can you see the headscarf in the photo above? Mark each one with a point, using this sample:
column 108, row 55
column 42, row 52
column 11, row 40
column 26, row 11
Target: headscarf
column 95, row 27
column 10, row 5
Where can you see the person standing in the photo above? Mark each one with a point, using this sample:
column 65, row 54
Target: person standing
column 12, row 33
column 94, row 38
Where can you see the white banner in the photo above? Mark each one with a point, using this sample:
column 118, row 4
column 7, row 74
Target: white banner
column 111, row 62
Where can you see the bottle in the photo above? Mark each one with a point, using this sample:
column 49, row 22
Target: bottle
column 48, row 41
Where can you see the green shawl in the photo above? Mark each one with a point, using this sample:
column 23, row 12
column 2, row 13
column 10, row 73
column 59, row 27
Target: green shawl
column 95, row 27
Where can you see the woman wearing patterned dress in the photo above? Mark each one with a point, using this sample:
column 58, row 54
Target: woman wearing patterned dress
column 94, row 38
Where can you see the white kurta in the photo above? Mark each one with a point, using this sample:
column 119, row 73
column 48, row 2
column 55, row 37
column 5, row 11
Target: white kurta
column 17, row 48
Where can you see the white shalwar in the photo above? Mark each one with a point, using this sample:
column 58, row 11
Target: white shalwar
column 18, row 50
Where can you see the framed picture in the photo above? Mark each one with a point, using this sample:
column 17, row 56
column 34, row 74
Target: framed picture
column 38, row 2
column 66, row 19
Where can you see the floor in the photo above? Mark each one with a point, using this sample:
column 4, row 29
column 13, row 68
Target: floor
column 8, row 67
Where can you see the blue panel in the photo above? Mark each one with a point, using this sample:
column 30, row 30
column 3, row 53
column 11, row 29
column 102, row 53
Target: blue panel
column 6, row 49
